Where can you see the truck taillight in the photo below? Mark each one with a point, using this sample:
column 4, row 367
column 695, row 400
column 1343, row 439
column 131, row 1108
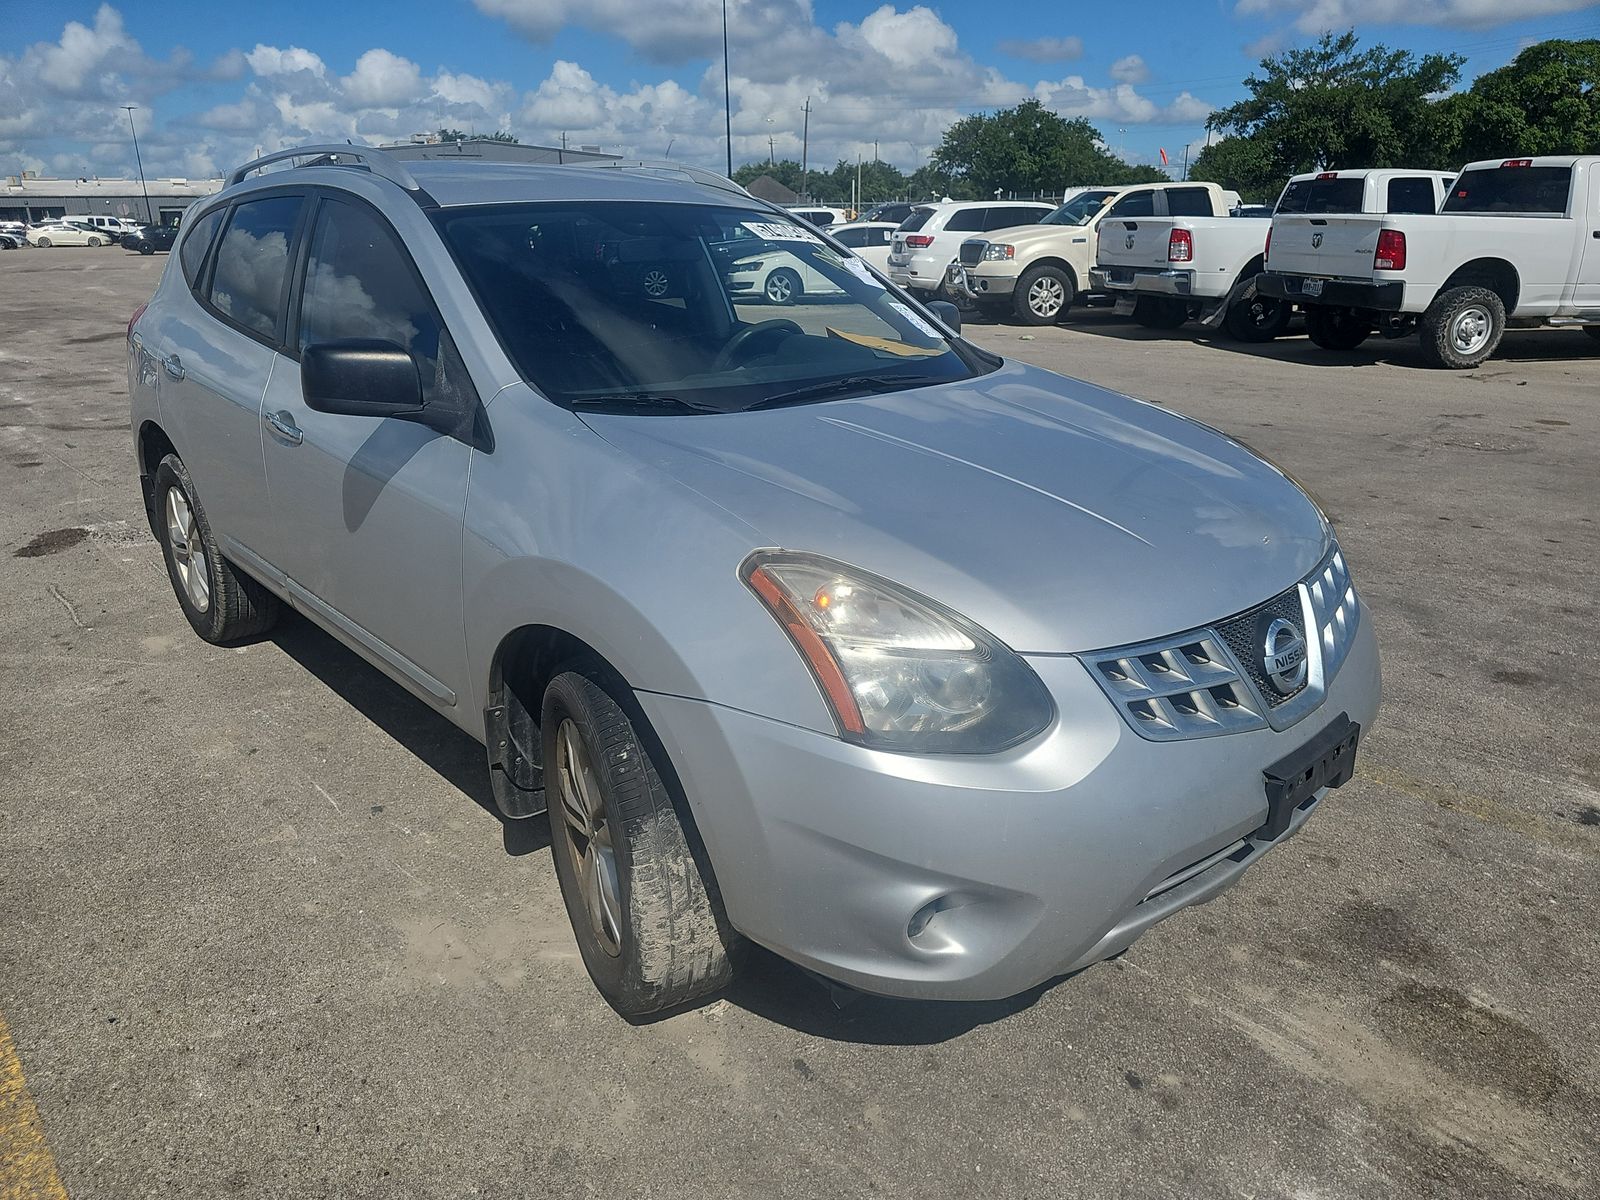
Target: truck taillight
column 1517, row 162
column 134, row 320
column 1391, row 255
column 1180, row 246
column 918, row 240
column 1329, row 175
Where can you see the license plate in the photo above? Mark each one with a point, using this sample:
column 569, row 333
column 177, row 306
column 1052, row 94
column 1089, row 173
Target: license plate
column 1311, row 287
column 1326, row 761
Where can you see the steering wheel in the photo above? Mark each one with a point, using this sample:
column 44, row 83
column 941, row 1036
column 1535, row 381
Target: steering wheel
column 745, row 336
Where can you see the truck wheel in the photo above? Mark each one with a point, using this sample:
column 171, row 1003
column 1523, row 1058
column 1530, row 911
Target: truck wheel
column 645, row 918
column 1043, row 293
column 1258, row 319
column 222, row 605
column 1336, row 328
column 1462, row 327
column 1160, row 312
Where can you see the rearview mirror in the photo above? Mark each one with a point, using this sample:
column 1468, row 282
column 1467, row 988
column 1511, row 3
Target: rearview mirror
column 946, row 312
column 360, row 377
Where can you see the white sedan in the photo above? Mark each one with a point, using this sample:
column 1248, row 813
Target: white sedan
column 64, row 233
column 870, row 240
column 778, row 277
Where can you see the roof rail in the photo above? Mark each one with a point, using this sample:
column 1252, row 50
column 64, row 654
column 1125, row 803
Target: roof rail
column 666, row 169
column 367, row 158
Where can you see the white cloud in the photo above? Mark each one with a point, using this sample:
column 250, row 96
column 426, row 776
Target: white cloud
column 1045, row 49
column 1314, row 16
column 1130, row 69
column 270, row 60
column 382, row 79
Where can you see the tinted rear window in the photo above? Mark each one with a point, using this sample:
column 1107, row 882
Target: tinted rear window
column 966, row 220
column 196, row 242
column 1188, row 202
column 1323, row 196
column 1411, row 194
column 1511, row 190
column 917, row 219
column 1135, row 204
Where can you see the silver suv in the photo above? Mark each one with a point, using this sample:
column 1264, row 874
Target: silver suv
column 937, row 674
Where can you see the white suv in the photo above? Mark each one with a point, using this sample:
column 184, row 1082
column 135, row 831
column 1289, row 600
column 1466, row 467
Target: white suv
column 930, row 239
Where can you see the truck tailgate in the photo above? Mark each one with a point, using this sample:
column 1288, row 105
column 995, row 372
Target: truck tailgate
column 1331, row 246
column 1134, row 242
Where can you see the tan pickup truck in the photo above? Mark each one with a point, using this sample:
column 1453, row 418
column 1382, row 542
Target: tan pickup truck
column 1038, row 271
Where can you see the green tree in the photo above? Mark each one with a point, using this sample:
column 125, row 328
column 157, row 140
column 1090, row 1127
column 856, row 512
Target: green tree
column 1545, row 101
column 1029, row 148
column 786, row 171
column 1333, row 105
column 879, row 181
column 1248, row 166
column 459, row 135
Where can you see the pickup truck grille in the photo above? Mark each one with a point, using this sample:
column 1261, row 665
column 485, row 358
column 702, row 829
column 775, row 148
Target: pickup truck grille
column 1214, row 680
column 972, row 253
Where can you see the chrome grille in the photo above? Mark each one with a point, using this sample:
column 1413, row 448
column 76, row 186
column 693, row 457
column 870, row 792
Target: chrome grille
column 972, row 253
column 1209, row 681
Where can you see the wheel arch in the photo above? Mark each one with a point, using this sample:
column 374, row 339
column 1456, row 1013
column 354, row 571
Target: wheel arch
column 1496, row 274
column 1051, row 260
column 152, row 445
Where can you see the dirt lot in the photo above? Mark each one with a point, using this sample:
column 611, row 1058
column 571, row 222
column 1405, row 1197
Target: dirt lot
column 260, row 934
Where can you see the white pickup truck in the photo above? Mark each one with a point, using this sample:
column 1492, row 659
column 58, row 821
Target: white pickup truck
column 1516, row 243
column 1208, row 266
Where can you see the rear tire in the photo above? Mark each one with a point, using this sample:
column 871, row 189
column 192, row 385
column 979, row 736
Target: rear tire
column 43, row 243
column 782, row 287
column 1160, row 312
column 646, row 920
column 222, row 605
column 147, row 248
column 1462, row 327
column 1043, row 295
column 1258, row 319
column 94, row 241
column 1336, row 328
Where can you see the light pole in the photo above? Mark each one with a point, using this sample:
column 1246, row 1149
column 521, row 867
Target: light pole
column 149, row 217
column 727, row 96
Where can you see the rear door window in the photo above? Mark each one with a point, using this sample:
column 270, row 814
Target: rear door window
column 1135, row 204
column 917, row 219
column 252, row 268
column 1410, row 194
column 1188, row 202
column 854, row 238
column 196, row 241
column 966, row 220
column 1511, row 190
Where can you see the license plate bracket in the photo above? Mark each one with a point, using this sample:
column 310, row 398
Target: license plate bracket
column 1311, row 287
column 1326, row 761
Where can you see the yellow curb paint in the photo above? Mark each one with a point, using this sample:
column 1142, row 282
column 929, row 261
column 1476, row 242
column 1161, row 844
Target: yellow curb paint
column 27, row 1168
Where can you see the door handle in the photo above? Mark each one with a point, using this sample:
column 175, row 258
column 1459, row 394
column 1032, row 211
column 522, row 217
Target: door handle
column 283, row 425
column 174, row 366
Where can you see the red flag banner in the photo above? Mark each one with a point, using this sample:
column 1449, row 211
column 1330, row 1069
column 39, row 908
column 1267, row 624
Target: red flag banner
column 1163, row 158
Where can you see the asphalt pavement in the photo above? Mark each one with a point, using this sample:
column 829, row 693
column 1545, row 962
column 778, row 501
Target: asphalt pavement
column 261, row 934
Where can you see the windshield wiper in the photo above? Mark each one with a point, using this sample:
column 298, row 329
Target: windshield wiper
column 643, row 400
column 834, row 387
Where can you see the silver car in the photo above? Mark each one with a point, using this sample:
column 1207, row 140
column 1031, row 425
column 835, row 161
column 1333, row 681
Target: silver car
column 935, row 673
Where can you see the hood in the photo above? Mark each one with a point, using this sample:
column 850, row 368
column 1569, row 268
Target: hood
column 1034, row 235
column 1058, row 515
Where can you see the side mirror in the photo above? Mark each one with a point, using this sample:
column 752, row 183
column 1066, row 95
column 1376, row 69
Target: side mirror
column 946, row 312
column 360, row 377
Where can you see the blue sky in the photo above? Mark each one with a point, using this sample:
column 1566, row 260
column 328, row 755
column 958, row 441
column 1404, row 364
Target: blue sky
column 641, row 76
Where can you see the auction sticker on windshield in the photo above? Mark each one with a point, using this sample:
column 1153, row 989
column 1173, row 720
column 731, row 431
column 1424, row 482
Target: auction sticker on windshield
column 921, row 325
column 780, row 231
column 862, row 272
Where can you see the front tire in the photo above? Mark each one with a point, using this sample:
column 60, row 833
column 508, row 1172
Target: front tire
column 1462, row 327
column 147, row 249
column 645, row 918
column 43, row 243
column 1043, row 294
column 222, row 605
column 782, row 287
column 94, row 241
column 1336, row 328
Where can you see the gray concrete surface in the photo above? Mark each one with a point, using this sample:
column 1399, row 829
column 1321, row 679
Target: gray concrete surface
column 261, row 936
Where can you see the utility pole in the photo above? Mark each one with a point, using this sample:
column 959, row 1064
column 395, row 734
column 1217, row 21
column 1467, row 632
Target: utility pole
column 727, row 95
column 857, row 205
column 562, row 156
column 874, row 149
column 149, row 217
column 805, row 147
column 770, row 150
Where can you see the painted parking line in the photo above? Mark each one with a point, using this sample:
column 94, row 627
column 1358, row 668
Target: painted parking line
column 27, row 1168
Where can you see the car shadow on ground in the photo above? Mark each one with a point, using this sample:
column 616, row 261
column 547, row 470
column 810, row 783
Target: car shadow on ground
column 412, row 725
column 1518, row 346
column 767, row 986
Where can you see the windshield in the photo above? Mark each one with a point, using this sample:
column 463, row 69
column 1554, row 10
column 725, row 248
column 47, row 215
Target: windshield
column 671, row 308
column 1080, row 210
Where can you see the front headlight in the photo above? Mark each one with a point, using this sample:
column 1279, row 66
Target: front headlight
column 899, row 671
column 999, row 252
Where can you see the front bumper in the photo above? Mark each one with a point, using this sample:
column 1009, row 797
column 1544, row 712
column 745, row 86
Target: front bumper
column 1333, row 293
column 983, row 287
column 1142, row 279
column 979, row 877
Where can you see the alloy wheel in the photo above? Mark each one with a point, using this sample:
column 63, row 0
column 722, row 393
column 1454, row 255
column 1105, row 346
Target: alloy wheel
column 589, row 845
column 778, row 289
column 1046, row 296
column 188, row 551
column 655, row 283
